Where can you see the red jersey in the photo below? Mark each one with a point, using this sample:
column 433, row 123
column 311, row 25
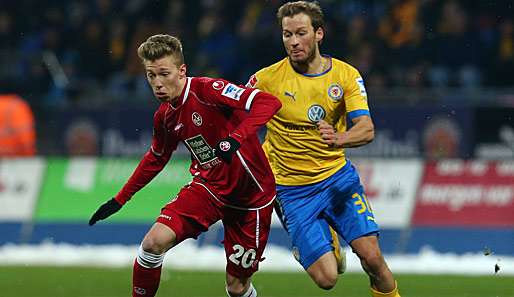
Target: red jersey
column 208, row 111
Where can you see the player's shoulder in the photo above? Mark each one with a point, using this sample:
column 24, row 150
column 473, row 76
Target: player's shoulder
column 215, row 83
column 270, row 71
column 344, row 68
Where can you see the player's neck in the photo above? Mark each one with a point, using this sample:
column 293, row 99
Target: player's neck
column 316, row 66
column 175, row 99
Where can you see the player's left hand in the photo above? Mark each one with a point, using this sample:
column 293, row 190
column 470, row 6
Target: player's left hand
column 328, row 133
column 226, row 148
column 105, row 210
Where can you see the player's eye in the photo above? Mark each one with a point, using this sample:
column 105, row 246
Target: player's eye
column 150, row 75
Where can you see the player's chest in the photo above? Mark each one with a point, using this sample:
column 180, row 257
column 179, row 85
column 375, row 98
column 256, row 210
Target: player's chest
column 310, row 101
column 199, row 127
column 196, row 119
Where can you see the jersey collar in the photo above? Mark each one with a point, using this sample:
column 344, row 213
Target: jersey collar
column 315, row 74
column 185, row 93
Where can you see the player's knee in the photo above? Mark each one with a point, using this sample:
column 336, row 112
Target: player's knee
column 326, row 280
column 374, row 263
column 153, row 245
column 238, row 288
column 235, row 290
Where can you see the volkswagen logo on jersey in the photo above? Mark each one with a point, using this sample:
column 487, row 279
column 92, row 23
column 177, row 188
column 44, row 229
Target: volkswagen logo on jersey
column 335, row 92
column 316, row 113
column 225, row 146
column 197, row 119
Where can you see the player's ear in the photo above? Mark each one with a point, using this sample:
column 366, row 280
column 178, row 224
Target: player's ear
column 182, row 69
column 320, row 33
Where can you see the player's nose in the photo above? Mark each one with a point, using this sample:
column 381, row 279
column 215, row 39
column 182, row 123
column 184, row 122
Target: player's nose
column 294, row 40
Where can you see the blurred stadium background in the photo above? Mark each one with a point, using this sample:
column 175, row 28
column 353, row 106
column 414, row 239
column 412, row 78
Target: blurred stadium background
column 75, row 117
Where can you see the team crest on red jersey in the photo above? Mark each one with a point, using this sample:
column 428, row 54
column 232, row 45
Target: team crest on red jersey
column 197, row 119
column 225, row 146
column 218, row 85
column 335, row 92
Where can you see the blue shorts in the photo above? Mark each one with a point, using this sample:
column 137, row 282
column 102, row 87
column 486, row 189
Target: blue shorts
column 307, row 211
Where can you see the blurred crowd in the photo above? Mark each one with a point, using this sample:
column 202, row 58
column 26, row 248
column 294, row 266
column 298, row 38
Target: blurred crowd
column 83, row 52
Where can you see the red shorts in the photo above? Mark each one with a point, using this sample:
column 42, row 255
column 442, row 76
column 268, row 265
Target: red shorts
column 194, row 209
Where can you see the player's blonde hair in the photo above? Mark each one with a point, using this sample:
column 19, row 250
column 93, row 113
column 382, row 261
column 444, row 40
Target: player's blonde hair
column 159, row 46
column 312, row 9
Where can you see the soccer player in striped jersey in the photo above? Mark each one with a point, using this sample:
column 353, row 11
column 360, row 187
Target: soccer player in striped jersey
column 317, row 186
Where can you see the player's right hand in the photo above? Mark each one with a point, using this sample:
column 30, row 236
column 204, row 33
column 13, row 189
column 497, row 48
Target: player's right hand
column 105, row 210
column 328, row 133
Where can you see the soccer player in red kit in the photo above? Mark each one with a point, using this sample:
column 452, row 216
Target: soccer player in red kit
column 232, row 180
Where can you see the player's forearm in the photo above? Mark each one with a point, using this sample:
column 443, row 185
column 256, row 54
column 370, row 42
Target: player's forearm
column 262, row 110
column 358, row 135
column 147, row 169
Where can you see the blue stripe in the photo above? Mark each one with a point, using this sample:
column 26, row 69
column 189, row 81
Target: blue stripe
column 357, row 113
column 443, row 239
column 10, row 232
column 462, row 240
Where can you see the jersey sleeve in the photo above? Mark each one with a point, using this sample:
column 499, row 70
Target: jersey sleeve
column 260, row 106
column 153, row 161
column 356, row 98
column 225, row 93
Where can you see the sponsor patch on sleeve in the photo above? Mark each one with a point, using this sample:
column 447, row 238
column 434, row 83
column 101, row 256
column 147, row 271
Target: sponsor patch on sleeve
column 360, row 82
column 232, row 91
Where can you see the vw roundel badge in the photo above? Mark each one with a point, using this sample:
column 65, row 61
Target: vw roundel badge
column 225, row 146
column 316, row 113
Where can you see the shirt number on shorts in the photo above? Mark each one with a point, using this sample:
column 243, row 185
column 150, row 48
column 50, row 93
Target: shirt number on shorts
column 242, row 257
column 362, row 201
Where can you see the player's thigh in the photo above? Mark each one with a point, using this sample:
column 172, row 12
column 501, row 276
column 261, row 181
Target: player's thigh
column 190, row 212
column 354, row 218
column 309, row 233
column 159, row 239
column 311, row 241
column 246, row 235
column 298, row 205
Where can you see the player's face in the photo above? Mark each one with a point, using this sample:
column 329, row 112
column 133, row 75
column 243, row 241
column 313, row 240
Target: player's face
column 165, row 78
column 300, row 39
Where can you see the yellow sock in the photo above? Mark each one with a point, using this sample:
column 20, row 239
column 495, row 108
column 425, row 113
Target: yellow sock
column 393, row 293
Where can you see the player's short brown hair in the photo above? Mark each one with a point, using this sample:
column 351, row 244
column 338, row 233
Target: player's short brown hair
column 312, row 9
column 159, row 46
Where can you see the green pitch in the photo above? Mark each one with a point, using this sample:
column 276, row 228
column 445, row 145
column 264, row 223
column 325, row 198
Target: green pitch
column 103, row 282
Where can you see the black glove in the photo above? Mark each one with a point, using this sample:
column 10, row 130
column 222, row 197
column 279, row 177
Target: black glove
column 226, row 148
column 105, row 210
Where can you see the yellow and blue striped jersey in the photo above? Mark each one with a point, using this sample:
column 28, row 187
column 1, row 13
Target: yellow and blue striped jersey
column 293, row 144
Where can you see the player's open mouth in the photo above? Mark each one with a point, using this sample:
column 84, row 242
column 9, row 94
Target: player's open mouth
column 162, row 97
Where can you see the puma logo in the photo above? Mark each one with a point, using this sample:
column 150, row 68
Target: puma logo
column 286, row 93
column 177, row 127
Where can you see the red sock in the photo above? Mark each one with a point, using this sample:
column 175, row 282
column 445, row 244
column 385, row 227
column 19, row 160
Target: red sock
column 145, row 281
